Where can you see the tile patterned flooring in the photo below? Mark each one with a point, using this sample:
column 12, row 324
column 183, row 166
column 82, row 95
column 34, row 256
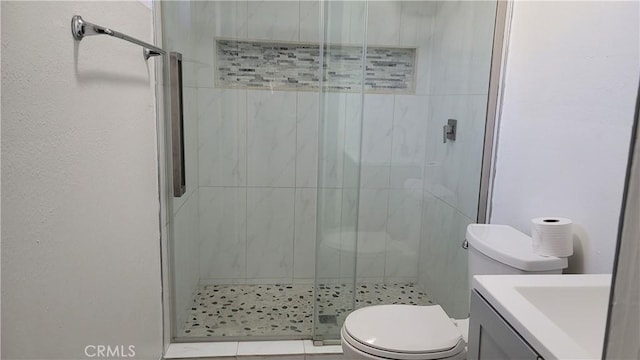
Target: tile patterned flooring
column 284, row 310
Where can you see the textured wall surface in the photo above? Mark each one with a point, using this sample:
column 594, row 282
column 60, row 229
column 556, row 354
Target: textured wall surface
column 567, row 112
column 80, row 232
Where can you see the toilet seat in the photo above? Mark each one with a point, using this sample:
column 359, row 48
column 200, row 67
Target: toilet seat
column 403, row 332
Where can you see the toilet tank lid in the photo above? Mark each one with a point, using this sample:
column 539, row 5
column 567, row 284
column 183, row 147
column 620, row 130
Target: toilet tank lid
column 509, row 246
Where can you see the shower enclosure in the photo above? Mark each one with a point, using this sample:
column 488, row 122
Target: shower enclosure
column 323, row 172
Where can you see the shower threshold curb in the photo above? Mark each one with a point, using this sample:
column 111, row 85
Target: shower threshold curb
column 292, row 349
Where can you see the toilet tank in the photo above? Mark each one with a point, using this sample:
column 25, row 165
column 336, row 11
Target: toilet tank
column 501, row 249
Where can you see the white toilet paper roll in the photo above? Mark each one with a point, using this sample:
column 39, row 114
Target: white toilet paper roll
column 552, row 236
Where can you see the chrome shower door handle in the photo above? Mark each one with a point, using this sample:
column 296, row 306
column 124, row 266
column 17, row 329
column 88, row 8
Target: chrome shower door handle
column 177, row 124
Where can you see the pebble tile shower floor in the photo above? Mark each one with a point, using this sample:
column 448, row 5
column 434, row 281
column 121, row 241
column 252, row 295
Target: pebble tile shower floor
column 283, row 310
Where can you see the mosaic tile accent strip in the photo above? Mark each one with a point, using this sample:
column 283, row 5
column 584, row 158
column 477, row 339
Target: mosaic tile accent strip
column 294, row 66
column 283, row 310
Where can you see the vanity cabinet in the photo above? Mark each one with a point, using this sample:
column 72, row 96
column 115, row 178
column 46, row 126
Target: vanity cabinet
column 491, row 337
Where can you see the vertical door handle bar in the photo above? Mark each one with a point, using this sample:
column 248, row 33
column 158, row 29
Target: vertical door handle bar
column 177, row 124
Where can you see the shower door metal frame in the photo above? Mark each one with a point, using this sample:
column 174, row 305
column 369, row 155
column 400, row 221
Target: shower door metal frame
column 498, row 64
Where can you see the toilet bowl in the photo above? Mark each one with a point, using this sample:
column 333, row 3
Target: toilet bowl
column 410, row 332
column 418, row 333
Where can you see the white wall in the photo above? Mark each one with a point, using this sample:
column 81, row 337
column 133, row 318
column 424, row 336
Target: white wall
column 80, row 234
column 571, row 82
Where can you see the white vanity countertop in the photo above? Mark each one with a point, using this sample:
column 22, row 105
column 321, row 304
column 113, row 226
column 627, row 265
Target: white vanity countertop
column 560, row 316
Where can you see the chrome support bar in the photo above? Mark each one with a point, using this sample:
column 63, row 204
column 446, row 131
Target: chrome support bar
column 81, row 28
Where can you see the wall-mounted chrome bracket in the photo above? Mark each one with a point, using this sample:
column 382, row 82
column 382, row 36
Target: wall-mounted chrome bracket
column 81, row 28
column 147, row 53
column 449, row 131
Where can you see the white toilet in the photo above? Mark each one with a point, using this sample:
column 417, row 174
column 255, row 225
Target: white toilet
column 426, row 332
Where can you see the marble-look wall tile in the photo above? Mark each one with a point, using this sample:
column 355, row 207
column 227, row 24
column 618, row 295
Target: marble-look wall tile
column 177, row 25
column 376, row 140
column 348, row 227
column 310, row 21
column 370, row 268
column 222, row 137
column 271, row 138
column 387, row 13
column 329, row 233
column 372, row 232
column 273, row 20
column 304, row 244
column 190, row 146
column 452, row 170
column 443, row 262
column 267, row 139
column 404, row 218
column 416, row 30
column 328, row 259
column 270, row 232
column 215, row 19
column 220, row 19
column 344, row 22
column 372, row 212
column 178, row 34
column 358, row 19
column 462, row 45
column 437, row 225
column 374, row 176
column 416, row 22
column 307, row 139
column 185, row 255
column 223, row 221
column 331, row 128
column 337, row 22
column 353, row 139
column 423, row 68
column 349, row 212
column 409, row 141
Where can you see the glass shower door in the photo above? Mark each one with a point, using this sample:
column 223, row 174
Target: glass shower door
column 394, row 200
column 308, row 196
column 244, row 236
column 341, row 99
